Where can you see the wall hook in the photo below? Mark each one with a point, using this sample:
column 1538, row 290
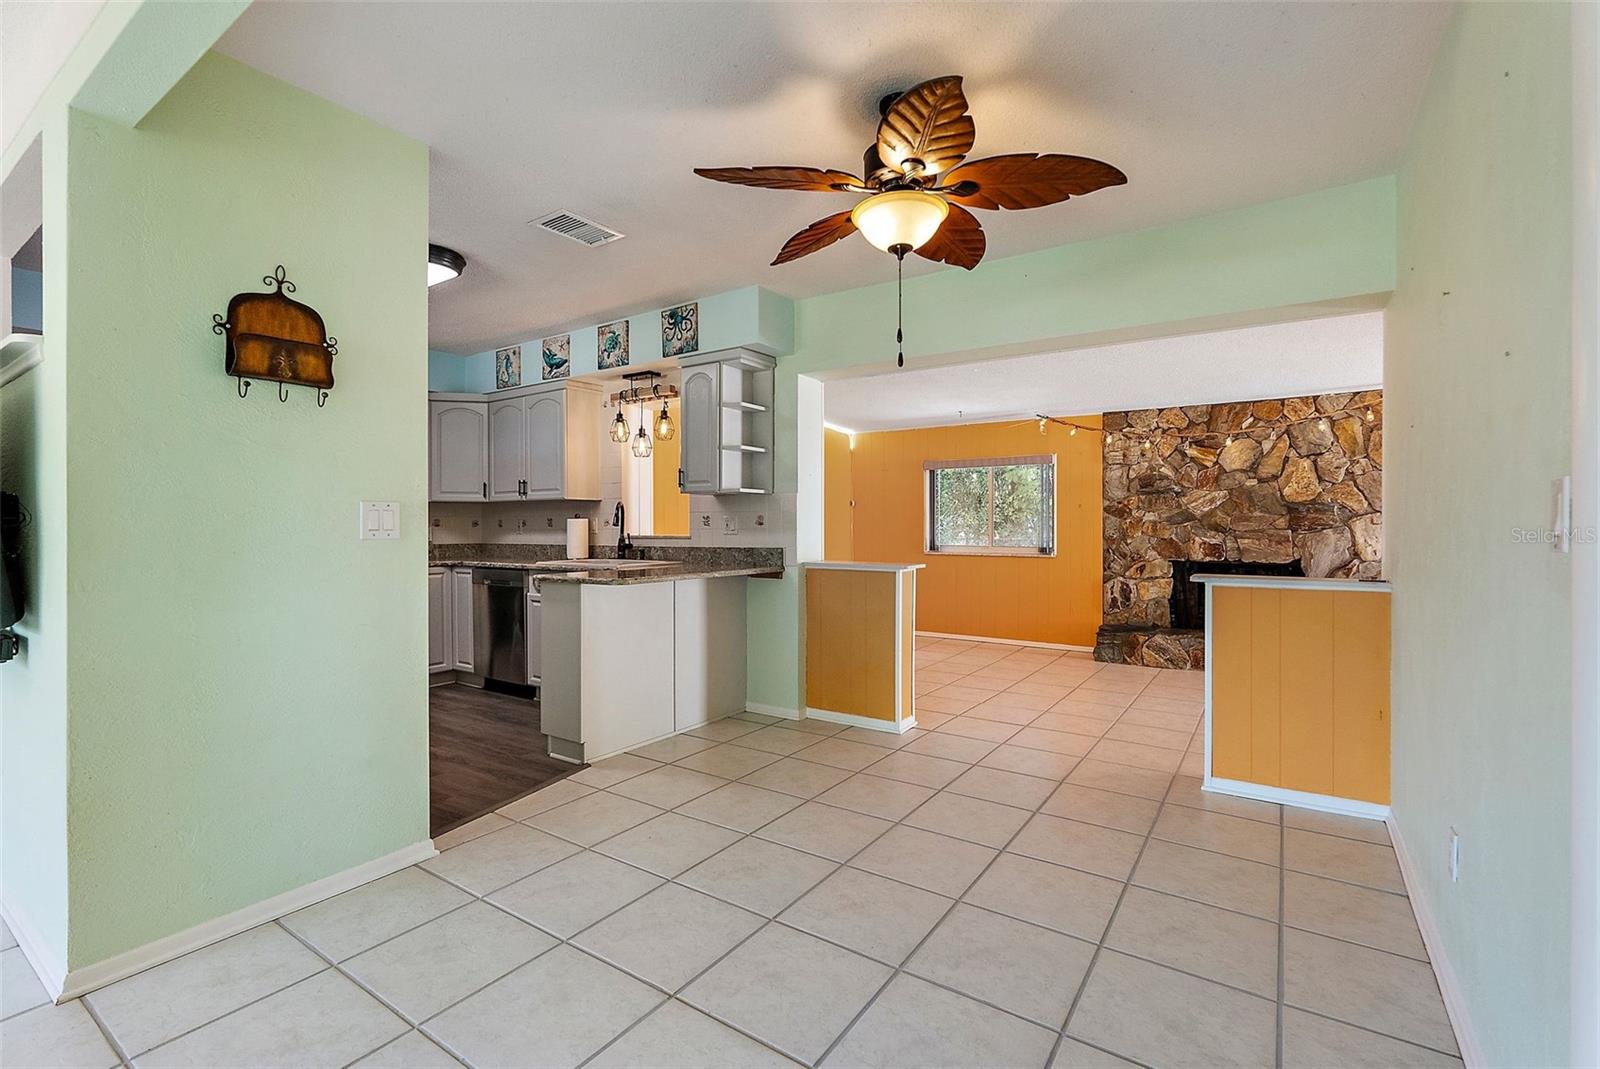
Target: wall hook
column 283, row 394
column 322, row 398
column 244, row 386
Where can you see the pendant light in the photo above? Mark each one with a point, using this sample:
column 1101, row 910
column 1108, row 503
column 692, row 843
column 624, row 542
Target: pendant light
column 619, row 427
column 641, row 441
column 665, row 428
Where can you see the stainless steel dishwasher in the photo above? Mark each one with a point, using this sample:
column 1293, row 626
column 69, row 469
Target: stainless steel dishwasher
column 499, row 611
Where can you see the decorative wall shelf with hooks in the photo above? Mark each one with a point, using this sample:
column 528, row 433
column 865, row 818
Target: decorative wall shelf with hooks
column 273, row 337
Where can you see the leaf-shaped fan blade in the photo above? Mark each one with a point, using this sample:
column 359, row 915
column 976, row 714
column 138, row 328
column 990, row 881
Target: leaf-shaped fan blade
column 1026, row 180
column 959, row 240
column 928, row 122
column 819, row 235
column 807, row 178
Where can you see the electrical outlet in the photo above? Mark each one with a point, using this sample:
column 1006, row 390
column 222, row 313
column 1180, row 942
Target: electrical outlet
column 438, row 522
column 549, row 521
column 730, row 523
column 522, row 525
column 1455, row 856
column 761, row 519
column 705, row 520
column 499, row 523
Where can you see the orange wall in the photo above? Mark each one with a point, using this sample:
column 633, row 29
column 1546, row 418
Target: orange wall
column 671, row 508
column 1036, row 599
column 836, row 496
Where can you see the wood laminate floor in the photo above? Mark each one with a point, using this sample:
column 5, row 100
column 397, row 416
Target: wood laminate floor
column 484, row 750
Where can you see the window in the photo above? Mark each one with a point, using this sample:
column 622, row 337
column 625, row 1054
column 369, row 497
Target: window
column 1004, row 505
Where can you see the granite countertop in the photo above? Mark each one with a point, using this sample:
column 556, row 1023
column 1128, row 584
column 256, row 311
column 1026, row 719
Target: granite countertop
column 702, row 564
column 615, row 576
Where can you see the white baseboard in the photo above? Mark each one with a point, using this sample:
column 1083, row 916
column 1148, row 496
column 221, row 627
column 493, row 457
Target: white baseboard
column 772, row 710
column 50, row 970
column 1325, row 803
column 856, row 721
column 1007, row 641
column 1455, row 1002
column 86, row 979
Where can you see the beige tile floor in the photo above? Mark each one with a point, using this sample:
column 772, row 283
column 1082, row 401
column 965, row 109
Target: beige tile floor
column 1032, row 877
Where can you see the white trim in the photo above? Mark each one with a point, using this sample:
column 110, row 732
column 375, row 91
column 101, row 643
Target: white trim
column 859, row 566
column 1205, row 718
column 1323, row 803
column 772, row 710
column 45, row 965
column 856, row 721
column 1008, row 641
column 1455, row 1000
column 1291, row 582
column 900, row 694
column 83, row 980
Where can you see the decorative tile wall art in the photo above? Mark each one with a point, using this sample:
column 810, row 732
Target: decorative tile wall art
column 611, row 345
column 680, row 330
column 508, row 367
column 555, row 357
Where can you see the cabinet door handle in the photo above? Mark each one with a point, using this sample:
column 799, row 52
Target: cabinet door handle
column 485, row 489
column 680, row 480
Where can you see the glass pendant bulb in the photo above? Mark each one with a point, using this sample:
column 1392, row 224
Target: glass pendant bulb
column 665, row 428
column 619, row 428
column 641, row 443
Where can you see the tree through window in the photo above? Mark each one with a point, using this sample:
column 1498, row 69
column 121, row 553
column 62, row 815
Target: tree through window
column 1001, row 505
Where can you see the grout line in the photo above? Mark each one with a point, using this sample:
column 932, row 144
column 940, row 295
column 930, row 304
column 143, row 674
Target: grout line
column 1094, row 958
column 1282, row 881
column 116, row 1044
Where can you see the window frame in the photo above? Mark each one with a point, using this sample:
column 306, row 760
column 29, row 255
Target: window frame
column 1047, row 504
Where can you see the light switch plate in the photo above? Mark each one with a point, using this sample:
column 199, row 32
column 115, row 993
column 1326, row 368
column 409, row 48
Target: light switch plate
column 730, row 523
column 380, row 520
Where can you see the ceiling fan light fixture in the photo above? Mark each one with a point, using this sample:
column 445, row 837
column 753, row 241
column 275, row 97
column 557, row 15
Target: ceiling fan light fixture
column 907, row 217
column 443, row 264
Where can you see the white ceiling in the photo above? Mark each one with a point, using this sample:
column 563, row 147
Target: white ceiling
column 1279, row 360
column 604, row 108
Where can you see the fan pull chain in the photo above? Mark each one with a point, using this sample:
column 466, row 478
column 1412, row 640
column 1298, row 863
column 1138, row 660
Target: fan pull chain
column 900, row 307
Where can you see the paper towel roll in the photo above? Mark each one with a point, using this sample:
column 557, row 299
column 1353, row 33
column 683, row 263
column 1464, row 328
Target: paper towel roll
column 577, row 539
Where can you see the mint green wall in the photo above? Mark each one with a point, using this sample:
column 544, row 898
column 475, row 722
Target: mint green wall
column 247, row 689
column 752, row 317
column 1329, row 246
column 1476, row 383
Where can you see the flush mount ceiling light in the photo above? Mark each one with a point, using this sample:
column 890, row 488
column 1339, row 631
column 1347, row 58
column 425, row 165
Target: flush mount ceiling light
column 917, row 184
column 443, row 264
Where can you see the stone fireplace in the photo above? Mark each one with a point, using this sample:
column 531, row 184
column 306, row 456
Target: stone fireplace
column 1284, row 486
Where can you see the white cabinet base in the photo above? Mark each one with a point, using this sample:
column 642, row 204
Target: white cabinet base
column 625, row 665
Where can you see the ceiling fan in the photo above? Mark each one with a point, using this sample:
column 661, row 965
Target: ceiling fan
column 918, row 190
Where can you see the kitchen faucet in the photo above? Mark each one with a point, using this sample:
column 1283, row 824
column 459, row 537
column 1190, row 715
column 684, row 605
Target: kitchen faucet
column 619, row 520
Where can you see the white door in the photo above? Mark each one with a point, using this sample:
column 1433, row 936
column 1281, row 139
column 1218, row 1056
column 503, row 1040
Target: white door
column 701, row 419
column 458, row 451
column 547, row 439
column 439, row 656
column 508, row 441
column 461, row 634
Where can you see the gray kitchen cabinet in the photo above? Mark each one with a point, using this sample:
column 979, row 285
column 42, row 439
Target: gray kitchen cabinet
column 727, row 400
column 450, row 620
column 458, row 463
column 439, row 600
column 544, row 444
column 508, row 448
column 461, row 620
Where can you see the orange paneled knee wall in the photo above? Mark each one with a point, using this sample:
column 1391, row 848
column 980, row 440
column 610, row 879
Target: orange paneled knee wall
column 880, row 481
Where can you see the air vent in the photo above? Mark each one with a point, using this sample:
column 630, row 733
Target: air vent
column 579, row 229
